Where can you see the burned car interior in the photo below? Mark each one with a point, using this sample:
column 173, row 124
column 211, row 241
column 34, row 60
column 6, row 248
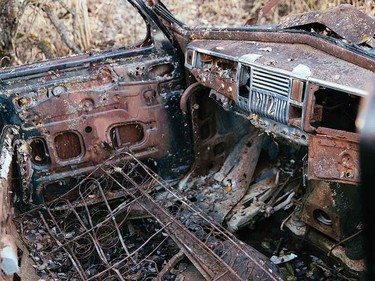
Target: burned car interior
column 151, row 161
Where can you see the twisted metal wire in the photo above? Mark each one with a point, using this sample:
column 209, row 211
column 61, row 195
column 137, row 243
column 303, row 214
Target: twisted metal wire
column 92, row 240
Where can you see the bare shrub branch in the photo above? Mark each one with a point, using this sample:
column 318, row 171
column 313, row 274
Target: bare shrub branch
column 61, row 29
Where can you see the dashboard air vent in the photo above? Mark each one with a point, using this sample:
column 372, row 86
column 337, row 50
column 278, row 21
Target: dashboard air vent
column 268, row 81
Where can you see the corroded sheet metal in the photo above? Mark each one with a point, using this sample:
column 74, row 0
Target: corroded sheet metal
column 360, row 58
column 73, row 118
column 321, row 198
column 345, row 20
column 287, row 57
column 236, row 174
column 215, row 132
column 333, row 159
column 334, row 209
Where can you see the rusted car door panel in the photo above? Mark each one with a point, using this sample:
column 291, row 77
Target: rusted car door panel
column 74, row 112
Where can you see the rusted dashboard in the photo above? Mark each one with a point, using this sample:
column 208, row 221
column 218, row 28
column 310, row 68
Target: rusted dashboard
column 291, row 91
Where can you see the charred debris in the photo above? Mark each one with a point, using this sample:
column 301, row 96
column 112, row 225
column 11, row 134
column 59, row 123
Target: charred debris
column 150, row 162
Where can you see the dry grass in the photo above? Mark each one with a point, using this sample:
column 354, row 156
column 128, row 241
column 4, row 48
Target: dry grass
column 101, row 24
column 236, row 12
column 85, row 24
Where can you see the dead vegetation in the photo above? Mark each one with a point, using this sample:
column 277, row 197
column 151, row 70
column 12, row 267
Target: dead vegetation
column 50, row 29
column 236, row 13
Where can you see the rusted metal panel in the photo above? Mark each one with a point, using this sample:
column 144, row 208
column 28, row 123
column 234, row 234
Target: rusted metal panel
column 269, row 35
column 345, row 20
column 317, row 208
column 284, row 56
column 213, row 132
column 360, row 59
column 236, row 174
column 333, row 209
column 297, row 91
column 75, row 112
column 209, row 79
column 74, row 118
column 333, row 159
